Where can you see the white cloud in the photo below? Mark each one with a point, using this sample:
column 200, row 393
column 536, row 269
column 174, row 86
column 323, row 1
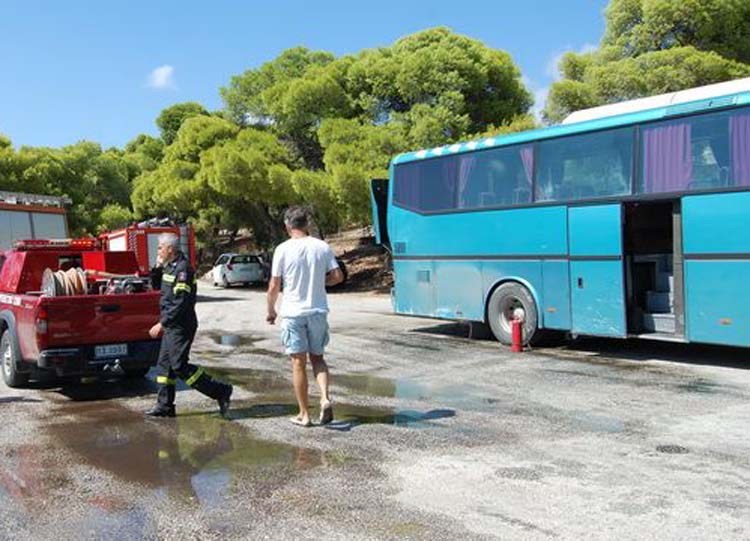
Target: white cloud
column 540, row 100
column 162, row 78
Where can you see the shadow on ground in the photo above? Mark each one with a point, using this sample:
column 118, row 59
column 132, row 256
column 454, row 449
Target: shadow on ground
column 611, row 348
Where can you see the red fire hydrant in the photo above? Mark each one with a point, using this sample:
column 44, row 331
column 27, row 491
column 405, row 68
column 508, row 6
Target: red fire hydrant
column 516, row 335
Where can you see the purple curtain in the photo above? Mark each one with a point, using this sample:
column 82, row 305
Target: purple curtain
column 667, row 158
column 739, row 130
column 464, row 174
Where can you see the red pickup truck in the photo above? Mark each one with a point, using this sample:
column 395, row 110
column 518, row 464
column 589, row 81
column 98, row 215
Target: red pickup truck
column 69, row 309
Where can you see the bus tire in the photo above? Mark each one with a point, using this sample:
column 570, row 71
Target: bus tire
column 11, row 375
column 510, row 300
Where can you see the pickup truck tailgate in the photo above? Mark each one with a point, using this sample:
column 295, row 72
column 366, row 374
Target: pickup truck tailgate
column 100, row 319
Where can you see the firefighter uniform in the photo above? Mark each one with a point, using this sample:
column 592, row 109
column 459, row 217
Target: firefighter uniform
column 179, row 322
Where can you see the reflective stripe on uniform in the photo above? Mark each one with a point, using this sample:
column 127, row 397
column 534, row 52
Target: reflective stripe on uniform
column 169, row 278
column 164, row 380
column 182, row 287
column 197, row 374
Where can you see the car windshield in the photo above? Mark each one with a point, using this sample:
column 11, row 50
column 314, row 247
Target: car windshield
column 244, row 259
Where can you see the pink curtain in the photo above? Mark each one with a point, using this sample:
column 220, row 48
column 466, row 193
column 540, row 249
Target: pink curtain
column 739, row 130
column 527, row 157
column 464, row 174
column 667, row 158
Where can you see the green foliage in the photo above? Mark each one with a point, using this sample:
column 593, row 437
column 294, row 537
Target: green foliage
column 197, row 134
column 652, row 47
column 171, row 119
column 90, row 177
column 315, row 188
column 114, row 217
column 517, row 124
column 247, row 96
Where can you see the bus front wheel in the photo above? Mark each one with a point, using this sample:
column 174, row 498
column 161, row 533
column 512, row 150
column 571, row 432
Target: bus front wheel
column 512, row 301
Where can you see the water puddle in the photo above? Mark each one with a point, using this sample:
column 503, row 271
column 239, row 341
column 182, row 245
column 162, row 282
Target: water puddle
column 253, row 380
column 278, row 384
column 700, row 385
column 348, row 416
column 197, row 457
column 232, row 340
column 462, row 396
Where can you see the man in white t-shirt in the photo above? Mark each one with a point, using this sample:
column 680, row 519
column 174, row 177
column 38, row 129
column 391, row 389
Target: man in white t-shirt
column 304, row 266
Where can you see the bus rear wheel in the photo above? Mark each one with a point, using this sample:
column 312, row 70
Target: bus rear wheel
column 512, row 301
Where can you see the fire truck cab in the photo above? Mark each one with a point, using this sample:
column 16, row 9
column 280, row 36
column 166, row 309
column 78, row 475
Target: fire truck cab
column 31, row 216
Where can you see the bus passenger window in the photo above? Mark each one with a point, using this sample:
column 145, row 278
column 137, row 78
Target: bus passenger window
column 585, row 166
column 495, row 178
column 705, row 152
column 426, row 185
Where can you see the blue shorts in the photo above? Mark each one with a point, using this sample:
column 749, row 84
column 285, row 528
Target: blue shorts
column 305, row 334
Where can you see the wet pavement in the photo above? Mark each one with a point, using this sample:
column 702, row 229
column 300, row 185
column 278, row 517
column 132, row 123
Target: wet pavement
column 435, row 436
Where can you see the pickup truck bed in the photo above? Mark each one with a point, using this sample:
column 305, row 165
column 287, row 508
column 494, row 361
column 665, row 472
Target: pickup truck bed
column 70, row 335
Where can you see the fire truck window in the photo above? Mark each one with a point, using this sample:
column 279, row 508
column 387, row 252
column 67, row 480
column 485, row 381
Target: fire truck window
column 48, row 226
column 14, row 225
column 2, row 262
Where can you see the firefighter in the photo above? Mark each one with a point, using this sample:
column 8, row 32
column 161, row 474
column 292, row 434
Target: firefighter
column 177, row 326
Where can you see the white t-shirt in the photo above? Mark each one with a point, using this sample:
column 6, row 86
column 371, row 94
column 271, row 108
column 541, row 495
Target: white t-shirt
column 302, row 265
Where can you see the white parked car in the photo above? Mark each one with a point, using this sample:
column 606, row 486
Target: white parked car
column 244, row 269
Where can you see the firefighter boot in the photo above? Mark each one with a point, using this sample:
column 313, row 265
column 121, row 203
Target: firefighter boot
column 164, row 399
column 203, row 383
column 161, row 411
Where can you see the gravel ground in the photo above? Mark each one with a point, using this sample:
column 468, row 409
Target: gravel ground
column 436, row 436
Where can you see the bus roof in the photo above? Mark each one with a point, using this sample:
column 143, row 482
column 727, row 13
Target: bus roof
column 700, row 99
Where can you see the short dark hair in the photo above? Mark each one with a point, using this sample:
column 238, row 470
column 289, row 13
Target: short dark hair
column 296, row 218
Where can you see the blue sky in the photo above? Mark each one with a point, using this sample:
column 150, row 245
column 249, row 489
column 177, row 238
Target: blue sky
column 103, row 71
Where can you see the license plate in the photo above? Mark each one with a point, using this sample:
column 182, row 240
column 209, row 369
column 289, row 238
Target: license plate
column 110, row 350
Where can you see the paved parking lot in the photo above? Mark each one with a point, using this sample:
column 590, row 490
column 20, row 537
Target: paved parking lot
column 436, row 437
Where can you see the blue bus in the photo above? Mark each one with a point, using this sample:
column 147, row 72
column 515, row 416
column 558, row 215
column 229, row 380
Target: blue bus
column 626, row 220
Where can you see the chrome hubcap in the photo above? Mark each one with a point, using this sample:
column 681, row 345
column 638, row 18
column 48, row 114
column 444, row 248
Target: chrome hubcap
column 7, row 359
column 511, row 308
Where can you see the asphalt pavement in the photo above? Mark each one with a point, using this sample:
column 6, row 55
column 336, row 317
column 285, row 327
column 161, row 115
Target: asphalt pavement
column 437, row 435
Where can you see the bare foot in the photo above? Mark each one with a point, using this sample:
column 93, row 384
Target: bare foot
column 301, row 420
column 326, row 412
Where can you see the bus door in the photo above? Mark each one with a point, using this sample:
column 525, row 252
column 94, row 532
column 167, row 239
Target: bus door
column 379, row 204
column 596, row 270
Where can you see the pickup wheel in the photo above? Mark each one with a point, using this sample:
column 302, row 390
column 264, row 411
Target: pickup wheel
column 11, row 376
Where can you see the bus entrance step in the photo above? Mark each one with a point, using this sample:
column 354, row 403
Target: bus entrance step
column 664, row 282
column 659, row 301
column 659, row 322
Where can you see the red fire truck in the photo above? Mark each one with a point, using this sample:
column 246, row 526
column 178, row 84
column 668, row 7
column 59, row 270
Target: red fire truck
column 143, row 238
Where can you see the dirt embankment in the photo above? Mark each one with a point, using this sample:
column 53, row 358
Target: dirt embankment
column 367, row 265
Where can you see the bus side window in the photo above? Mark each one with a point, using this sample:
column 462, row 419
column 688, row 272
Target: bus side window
column 585, row 166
